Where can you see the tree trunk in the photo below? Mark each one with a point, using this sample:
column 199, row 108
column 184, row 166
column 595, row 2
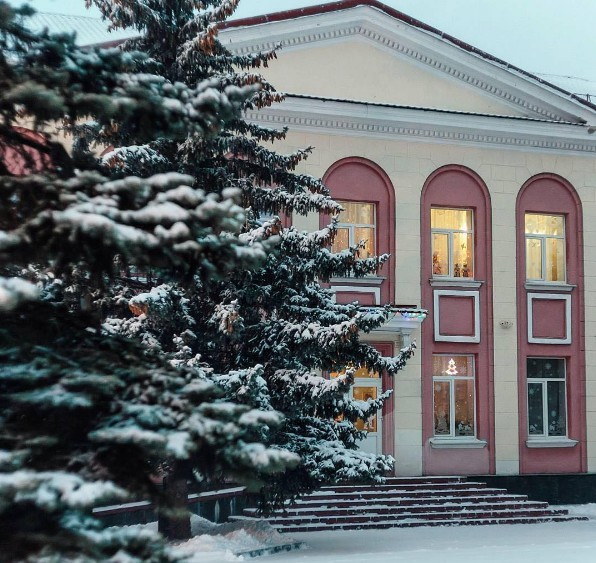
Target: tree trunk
column 173, row 515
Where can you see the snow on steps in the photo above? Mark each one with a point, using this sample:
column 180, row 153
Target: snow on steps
column 410, row 502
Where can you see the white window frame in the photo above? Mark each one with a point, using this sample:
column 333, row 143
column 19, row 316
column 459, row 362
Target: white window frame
column 451, row 379
column 543, row 381
column 543, row 240
column 351, row 227
column 450, row 233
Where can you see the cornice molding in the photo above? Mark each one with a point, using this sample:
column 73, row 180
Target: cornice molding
column 366, row 120
column 426, row 49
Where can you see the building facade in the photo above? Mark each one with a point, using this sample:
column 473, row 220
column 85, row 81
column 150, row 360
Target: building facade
column 479, row 180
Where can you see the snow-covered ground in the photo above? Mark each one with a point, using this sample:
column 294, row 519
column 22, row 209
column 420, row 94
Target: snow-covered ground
column 568, row 542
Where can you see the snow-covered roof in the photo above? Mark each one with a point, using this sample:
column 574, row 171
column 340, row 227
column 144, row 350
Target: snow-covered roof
column 89, row 30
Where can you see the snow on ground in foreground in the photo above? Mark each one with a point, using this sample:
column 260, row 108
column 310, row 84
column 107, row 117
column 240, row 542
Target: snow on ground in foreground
column 588, row 510
column 571, row 542
column 219, row 542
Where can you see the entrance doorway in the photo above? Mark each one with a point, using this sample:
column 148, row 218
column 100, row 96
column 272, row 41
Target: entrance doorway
column 369, row 387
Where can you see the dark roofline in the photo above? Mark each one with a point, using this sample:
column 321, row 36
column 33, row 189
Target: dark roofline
column 348, row 4
column 432, row 110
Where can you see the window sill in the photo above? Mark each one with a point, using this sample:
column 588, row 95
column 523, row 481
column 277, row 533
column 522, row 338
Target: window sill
column 549, row 286
column 453, row 443
column 551, row 442
column 455, row 282
column 365, row 280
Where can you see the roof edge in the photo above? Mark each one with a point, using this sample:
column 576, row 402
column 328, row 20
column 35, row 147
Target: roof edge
column 348, row 4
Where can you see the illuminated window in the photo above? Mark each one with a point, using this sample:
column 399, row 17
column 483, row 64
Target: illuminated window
column 545, row 247
column 452, row 242
column 356, row 223
column 362, row 391
column 453, row 393
column 547, row 413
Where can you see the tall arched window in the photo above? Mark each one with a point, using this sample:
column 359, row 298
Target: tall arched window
column 550, row 298
column 456, row 282
column 368, row 198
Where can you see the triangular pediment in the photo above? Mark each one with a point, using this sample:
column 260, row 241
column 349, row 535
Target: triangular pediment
column 363, row 51
column 355, row 70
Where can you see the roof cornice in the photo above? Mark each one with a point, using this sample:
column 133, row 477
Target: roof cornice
column 407, row 37
column 337, row 117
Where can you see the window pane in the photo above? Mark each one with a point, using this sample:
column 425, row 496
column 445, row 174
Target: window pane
column 535, row 418
column 441, row 255
column 555, row 392
column 452, row 219
column 462, row 255
column 366, row 234
column 357, row 213
column 555, row 259
column 363, row 371
column 341, row 240
column 462, row 366
column 546, row 368
column 538, row 224
column 363, row 394
column 365, row 213
column 533, row 259
column 464, row 407
column 348, row 215
column 441, row 408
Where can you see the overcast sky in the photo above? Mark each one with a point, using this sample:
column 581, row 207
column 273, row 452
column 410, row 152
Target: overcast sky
column 541, row 36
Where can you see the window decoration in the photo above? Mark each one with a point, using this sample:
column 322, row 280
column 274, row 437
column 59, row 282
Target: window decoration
column 547, row 413
column 356, row 223
column 545, row 247
column 452, row 242
column 454, row 396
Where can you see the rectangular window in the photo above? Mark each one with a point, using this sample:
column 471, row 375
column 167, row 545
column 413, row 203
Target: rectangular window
column 454, row 396
column 547, row 413
column 452, row 236
column 356, row 223
column 545, row 247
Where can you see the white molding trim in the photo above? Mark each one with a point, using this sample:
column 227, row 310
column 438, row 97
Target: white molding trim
column 376, row 291
column 470, row 284
column 457, row 442
column 423, row 48
column 338, row 117
column 366, row 280
column 551, row 442
column 549, row 286
column 438, row 337
column 550, row 297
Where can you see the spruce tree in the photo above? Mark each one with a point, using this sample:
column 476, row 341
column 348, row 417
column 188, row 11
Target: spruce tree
column 274, row 332
column 85, row 416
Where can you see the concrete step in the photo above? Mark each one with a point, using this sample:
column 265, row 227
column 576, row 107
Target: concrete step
column 427, row 516
column 393, row 493
column 400, row 509
column 415, row 523
column 389, row 500
column 397, row 486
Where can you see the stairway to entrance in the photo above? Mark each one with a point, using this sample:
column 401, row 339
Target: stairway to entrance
column 410, row 502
